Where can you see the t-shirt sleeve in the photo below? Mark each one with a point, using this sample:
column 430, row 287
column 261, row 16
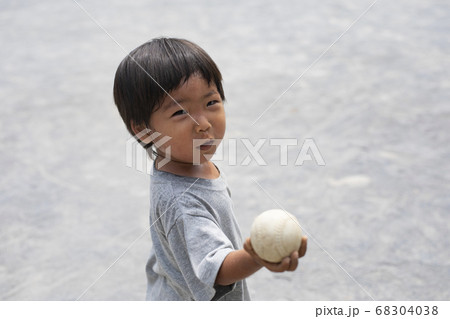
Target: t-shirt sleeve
column 199, row 247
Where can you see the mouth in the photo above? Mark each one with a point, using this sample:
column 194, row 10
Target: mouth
column 207, row 145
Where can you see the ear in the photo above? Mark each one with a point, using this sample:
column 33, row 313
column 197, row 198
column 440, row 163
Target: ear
column 142, row 133
column 137, row 128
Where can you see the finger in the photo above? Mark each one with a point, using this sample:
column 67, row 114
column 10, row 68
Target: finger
column 303, row 247
column 248, row 245
column 277, row 267
column 284, row 264
column 294, row 261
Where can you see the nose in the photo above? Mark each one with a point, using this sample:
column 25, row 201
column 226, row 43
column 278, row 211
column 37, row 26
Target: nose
column 203, row 124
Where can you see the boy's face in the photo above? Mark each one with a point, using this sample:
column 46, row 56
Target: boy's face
column 200, row 117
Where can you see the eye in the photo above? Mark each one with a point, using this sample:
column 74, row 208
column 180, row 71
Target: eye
column 211, row 103
column 179, row 112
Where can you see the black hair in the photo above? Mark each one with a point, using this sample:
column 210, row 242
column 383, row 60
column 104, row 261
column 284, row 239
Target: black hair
column 154, row 69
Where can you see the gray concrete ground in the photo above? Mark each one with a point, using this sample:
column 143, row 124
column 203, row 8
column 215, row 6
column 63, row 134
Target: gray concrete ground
column 376, row 104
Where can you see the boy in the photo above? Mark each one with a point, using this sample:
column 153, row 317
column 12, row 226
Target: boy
column 170, row 96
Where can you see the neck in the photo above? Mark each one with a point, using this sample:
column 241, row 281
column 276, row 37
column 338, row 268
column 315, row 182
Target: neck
column 206, row 170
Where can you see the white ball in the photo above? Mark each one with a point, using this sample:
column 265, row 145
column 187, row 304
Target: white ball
column 275, row 234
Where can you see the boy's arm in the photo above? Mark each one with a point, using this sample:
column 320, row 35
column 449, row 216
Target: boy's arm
column 242, row 263
column 236, row 266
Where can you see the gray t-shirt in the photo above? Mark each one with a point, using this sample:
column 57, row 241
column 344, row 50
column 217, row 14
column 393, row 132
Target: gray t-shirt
column 193, row 229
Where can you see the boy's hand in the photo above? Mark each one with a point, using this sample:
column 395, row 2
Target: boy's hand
column 287, row 264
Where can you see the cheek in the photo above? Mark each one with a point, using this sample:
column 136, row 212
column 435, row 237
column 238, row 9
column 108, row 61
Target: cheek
column 221, row 126
column 161, row 138
column 161, row 143
column 180, row 143
column 161, row 135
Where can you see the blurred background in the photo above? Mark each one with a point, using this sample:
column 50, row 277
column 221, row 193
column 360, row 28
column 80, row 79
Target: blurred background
column 372, row 91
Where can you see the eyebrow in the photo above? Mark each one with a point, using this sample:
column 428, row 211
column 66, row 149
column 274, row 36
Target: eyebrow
column 173, row 102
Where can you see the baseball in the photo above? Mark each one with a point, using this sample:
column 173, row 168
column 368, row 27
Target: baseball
column 275, row 234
